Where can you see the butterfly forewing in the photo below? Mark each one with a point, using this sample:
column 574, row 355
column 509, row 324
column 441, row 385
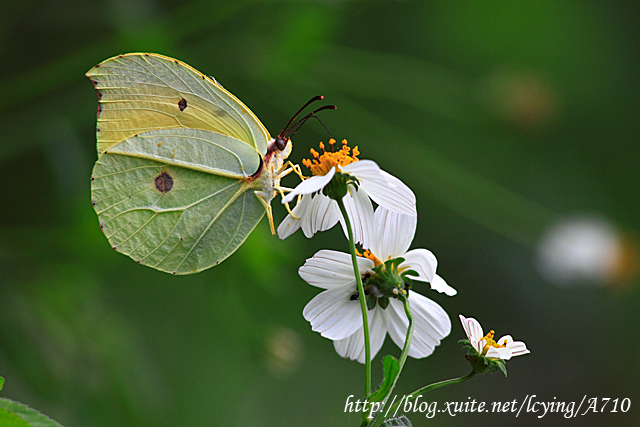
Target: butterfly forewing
column 142, row 92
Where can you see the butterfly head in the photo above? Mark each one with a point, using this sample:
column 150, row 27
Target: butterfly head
column 283, row 140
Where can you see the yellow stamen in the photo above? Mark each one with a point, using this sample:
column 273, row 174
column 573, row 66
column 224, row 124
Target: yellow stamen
column 367, row 254
column 491, row 343
column 322, row 164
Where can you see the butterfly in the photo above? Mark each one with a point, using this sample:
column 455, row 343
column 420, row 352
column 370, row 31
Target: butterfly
column 185, row 170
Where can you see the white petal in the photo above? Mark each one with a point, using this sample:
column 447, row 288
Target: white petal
column 474, row 332
column 352, row 347
column 438, row 284
column 290, row 225
column 310, row 185
column 505, row 340
column 330, row 269
column 397, row 196
column 384, row 188
column 518, row 348
column 360, row 212
column 364, row 170
column 394, row 233
column 498, row 353
column 333, row 314
column 323, row 215
column 423, row 262
column 465, row 325
column 432, row 324
column 474, row 328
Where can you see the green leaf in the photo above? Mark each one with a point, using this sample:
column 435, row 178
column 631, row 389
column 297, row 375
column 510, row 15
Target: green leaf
column 25, row 415
column 1, row 382
column 383, row 302
column 7, row 419
column 371, row 301
column 410, row 273
column 396, row 262
column 501, row 365
column 401, row 421
column 391, row 369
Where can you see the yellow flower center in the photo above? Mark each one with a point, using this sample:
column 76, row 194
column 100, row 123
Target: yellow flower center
column 491, row 342
column 321, row 164
column 369, row 255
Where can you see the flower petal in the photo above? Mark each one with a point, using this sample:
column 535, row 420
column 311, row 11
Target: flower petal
column 505, row 340
column 432, row 324
column 438, row 284
column 423, row 262
column 384, row 188
column 499, row 353
column 333, row 314
column 518, row 348
column 352, row 347
column 360, row 212
column 479, row 345
column 310, row 185
column 322, row 215
column 465, row 325
column 331, row 269
column 472, row 328
column 394, row 233
column 474, row 332
column 290, row 225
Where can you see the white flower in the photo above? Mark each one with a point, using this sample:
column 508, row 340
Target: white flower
column 505, row 348
column 336, row 313
column 319, row 212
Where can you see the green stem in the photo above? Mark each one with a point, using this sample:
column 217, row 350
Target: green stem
column 363, row 302
column 405, row 349
column 426, row 389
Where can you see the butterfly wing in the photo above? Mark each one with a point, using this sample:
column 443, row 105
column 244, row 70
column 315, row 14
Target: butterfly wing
column 179, row 214
column 142, row 91
column 175, row 154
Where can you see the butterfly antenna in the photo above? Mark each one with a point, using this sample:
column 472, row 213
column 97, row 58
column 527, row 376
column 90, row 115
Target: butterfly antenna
column 295, row 129
column 288, row 126
column 300, row 122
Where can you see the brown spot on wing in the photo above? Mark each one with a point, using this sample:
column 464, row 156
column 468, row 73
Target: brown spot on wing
column 163, row 182
column 182, row 104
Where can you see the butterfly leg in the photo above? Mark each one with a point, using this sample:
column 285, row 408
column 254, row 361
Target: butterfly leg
column 291, row 168
column 286, row 205
column 267, row 208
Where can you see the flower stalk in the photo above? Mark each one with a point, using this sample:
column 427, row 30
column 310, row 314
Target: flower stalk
column 426, row 389
column 363, row 300
column 405, row 349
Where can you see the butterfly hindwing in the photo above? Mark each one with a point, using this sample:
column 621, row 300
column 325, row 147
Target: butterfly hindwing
column 169, row 217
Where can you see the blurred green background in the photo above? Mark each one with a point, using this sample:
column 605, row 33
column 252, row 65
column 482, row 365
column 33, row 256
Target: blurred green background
column 505, row 118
